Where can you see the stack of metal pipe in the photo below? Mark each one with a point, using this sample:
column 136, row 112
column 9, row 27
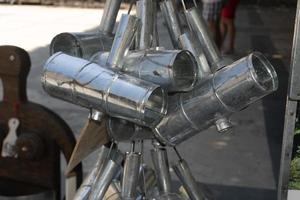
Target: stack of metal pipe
column 151, row 93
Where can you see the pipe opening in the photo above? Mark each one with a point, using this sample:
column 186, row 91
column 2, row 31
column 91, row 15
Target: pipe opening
column 155, row 105
column 67, row 43
column 185, row 70
column 263, row 72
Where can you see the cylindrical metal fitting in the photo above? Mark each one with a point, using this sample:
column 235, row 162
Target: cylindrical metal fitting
column 228, row 90
column 109, row 16
column 172, row 20
column 121, row 130
column 188, row 42
column 161, row 167
column 173, row 70
column 86, row 187
column 130, row 178
column 82, row 45
column 108, row 172
column 184, row 174
column 123, row 39
column 200, row 29
column 89, row 85
column 145, row 12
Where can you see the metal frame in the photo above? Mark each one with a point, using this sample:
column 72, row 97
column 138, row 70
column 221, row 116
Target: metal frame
column 293, row 97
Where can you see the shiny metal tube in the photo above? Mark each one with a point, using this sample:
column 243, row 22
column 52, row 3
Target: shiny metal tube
column 172, row 20
column 86, row 187
column 228, row 90
column 131, row 175
column 201, row 30
column 109, row 16
column 123, row 39
column 183, row 172
column 121, row 130
column 89, row 85
column 109, row 171
column 145, row 12
column 82, row 45
column 173, row 70
column 147, row 179
column 188, row 42
column 161, row 167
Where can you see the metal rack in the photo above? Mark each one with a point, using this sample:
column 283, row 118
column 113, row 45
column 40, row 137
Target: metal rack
column 293, row 96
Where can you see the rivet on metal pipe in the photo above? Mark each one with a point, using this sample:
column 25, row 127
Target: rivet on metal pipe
column 189, row 183
column 108, row 172
column 188, row 42
column 86, row 187
column 200, row 29
column 173, row 70
column 130, row 178
column 172, row 20
column 228, row 90
column 145, row 12
column 109, row 16
column 89, row 85
column 161, row 167
column 123, row 39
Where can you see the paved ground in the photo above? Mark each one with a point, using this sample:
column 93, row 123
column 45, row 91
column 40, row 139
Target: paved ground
column 242, row 164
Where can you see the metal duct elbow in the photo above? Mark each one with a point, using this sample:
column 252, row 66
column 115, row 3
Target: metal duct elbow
column 82, row 45
column 173, row 70
column 228, row 90
column 89, row 85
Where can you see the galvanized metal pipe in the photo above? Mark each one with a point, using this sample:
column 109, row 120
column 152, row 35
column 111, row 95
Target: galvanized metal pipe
column 109, row 171
column 131, row 175
column 121, row 130
column 200, row 28
column 145, row 12
column 188, row 42
column 109, row 16
column 89, row 85
column 228, row 90
column 123, row 39
column 183, row 172
column 173, row 70
column 82, row 45
column 161, row 167
column 172, row 20
column 86, row 187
